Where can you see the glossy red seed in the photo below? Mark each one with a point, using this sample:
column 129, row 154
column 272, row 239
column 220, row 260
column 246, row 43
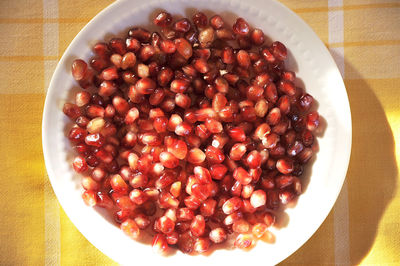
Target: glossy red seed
column 237, row 134
column 279, row 50
column 214, row 155
column 285, row 166
column 242, row 176
column 197, row 227
column 79, row 68
column 257, row 37
column 237, row 151
column 72, row 110
column 243, row 59
column 163, row 19
column 182, row 25
column 200, row 20
column 241, row 27
column 196, row 156
column 312, row 121
column 287, row 87
column 232, row 205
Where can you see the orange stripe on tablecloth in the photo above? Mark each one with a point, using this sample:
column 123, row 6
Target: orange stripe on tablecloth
column 365, row 43
column 19, row 58
column 348, row 7
column 42, row 20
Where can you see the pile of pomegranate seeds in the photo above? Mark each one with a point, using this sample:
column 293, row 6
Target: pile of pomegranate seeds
column 200, row 124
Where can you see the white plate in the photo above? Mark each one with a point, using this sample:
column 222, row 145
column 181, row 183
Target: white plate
column 312, row 63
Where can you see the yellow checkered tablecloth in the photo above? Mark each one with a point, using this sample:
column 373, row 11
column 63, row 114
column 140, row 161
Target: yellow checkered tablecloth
column 363, row 227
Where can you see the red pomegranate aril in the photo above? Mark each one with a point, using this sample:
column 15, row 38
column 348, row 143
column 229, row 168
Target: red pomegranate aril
column 257, row 37
column 202, row 174
column 232, row 205
column 243, row 241
column 312, row 121
column 236, row 189
column 184, row 48
column 200, row 20
column 165, row 225
column 182, row 25
column 179, row 85
column 279, row 50
column 145, row 86
column 192, row 202
column 96, row 140
column 72, row 110
column 118, row 184
column 287, row 87
column 116, row 60
column 241, row 27
column 163, row 19
column 196, row 156
column 168, row 160
column 240, row 226
column 258, row 198
column 242, row 176
column 253, row 159
column 295, row 148
column 138, row 196
column 183, row 129
column 197, row 227
column 243, row 59
column 79, row 68
column 77, row 135
column 206, row 37
column 218, row 171
column 237, row 151
column 214, row 155
column 90, row 198
column 201, row 245
column 166, row 179
column 130, row 228
column 221, row 85
column 80, row 164
column 237, row 134
column 218, row 235
column 307, row 137
column 274, row 116
column 140, row 34
column 182, row 100
column 213, row 125
column 285, row 166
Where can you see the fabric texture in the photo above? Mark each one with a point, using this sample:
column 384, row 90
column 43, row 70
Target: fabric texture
column 363, row 227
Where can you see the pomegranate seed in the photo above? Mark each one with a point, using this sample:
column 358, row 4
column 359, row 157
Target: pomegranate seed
column 79, row 68
column 165, row 225
column 96, row 140
column 168, row 160
column 279, row 50
column 287, row 87
column 118, row 184
column 192, row 202
column 255, row 93
column 243, row 241
column 305, row 102
column 312, row 121
column 232, row 205
column 214, row 155
column 241, row 27
column 185, row 214
column 243, row 59
column 237, row 134
column 274, row 116
column 200, row 20
column 206, row 37
column 72, row 110
column 138, row 196
column 197, row 227
column 242, row 176
column 201, row 245
column 183, row 47
column 253, row 159
column 186, row 243
column 218, row 171
column 307, row 138
column 182, row 25
column 258, row 198
column 183, row 129
column 202, row 174
column 257, row 37
column 240, row 226
column 145, row 86
column 213, row 125
column 163, row 19
column 130, row 228
column 179, row 85
column 221, row 85
column 216, row 22
column 182, row 100
column 237, row 151
column 77, row 135
column 285, row 166
column 259, row 229
column 218, row 235
column 140, row 34
column 80, row 164
column 90, row 198
column 196, row 156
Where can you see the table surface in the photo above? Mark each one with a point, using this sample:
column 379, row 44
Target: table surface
column 362, row 228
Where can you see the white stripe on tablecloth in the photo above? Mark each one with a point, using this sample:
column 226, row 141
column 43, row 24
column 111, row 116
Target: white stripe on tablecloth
column 341, row 209
column 51, row 211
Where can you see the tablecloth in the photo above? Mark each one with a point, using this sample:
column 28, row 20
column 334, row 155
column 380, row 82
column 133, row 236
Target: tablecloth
column 363, row 227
